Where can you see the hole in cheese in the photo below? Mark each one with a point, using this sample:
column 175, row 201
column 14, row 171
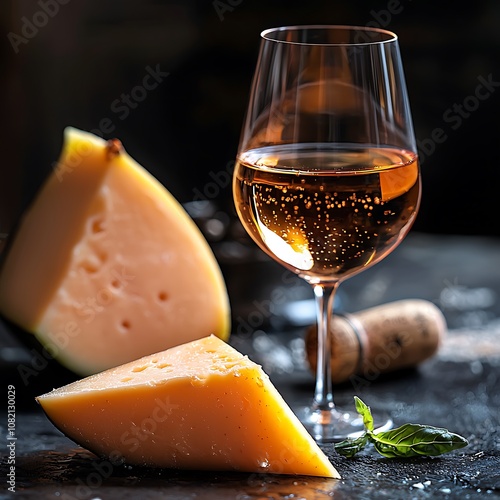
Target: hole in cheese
column 125, row 324
column 163, row 365
column 93, row 263
column 89, row 267
column 115, row 284
column 96, row 225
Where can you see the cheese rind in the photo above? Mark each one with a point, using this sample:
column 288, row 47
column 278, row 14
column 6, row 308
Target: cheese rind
column 200, row 406
column 106, row 266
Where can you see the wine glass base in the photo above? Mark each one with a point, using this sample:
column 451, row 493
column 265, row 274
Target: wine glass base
column 332, row 426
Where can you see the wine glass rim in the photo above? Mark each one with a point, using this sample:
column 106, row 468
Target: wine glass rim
column 390, row 35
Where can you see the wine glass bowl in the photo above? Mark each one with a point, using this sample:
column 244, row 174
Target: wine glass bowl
column 327, row 179
column 320, row 224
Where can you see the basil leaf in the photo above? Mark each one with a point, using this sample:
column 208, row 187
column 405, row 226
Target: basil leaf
column 349, row 447
column 364, row 411
column 411, row 440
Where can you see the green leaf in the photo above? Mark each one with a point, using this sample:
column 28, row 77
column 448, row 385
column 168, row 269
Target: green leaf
column 349, row 447
column 411, row 440
column 364, row 411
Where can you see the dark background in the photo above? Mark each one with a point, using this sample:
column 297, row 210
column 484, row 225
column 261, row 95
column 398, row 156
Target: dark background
column 84, row 55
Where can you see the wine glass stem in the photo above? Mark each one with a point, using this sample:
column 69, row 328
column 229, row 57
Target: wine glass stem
column 323, row 394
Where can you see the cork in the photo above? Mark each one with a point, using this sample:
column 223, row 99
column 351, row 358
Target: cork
column 381, row 339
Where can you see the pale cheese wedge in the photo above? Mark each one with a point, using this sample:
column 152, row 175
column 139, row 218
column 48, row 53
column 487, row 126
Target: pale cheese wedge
column 199, row 406
column 106, row 266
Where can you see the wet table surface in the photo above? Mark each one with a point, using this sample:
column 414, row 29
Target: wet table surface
column 458, row 389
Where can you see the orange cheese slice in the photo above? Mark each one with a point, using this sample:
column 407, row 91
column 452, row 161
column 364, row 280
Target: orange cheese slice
column 397, row 181
column 106, row 266
column 200, row 406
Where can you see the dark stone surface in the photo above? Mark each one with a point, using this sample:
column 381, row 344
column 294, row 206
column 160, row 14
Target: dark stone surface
column 458, row 396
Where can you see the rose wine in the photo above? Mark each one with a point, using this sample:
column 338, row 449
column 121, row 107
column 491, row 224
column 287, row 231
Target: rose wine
column 327, row 211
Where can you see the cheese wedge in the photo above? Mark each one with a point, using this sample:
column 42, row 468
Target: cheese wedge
column 199, row 406
column 106, row 266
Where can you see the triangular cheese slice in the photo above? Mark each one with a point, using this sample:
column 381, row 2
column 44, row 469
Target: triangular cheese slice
column 200, row 406
column 106, row 265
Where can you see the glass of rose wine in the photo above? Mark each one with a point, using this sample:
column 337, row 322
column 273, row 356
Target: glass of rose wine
column 327, row 179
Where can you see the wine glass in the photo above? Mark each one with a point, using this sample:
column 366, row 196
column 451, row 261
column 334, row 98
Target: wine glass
column 327, row 178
